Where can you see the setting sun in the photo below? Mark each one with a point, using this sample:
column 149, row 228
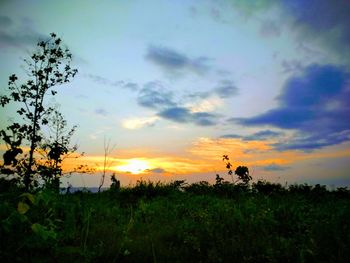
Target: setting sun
column 134, row 166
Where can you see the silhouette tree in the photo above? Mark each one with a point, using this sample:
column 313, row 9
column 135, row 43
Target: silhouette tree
column 48, row 67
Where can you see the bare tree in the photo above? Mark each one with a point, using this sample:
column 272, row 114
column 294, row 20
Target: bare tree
column 108, row 149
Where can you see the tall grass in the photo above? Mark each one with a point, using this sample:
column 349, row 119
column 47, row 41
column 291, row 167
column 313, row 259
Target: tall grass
column 154, row 222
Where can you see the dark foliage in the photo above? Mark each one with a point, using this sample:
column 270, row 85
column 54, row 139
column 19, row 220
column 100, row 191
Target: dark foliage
column 176, row 222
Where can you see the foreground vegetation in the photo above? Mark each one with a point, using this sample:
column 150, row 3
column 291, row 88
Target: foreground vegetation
column 153, row 222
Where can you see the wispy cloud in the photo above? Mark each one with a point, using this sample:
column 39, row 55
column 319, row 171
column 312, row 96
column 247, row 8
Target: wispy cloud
column 226, row 89
column 275, row 168
column 270, row 28
column 174, row 62
column 138, row 123
column 184, row 115
column 154, row 96
column 18, row 35
column 258, row 136
column 101, row 111
column 107, row 82
column 5, row 21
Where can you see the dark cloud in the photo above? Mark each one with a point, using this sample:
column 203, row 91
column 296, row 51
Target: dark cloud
column 18, row 36
column 322, row 15
column 226, row 89
column 131, row 86
column 324, row 20
column 184, row 115
column 231, row 136
column 199, row 95
column 307, row 142
column 275, row 168
column 19, row 40
column 270, row 28
column 175, row 62
column 154, row 95
column 315, row 104
column 258, row 136
column 263, row 135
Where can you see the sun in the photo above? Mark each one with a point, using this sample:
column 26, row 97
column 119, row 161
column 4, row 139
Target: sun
column 134, row 166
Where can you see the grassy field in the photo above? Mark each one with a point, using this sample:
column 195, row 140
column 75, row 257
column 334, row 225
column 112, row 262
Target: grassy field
column 177, row 223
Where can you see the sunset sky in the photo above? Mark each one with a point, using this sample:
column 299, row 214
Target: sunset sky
column 174, row 85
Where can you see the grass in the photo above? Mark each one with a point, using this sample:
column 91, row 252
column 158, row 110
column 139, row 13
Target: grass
column 155, row 222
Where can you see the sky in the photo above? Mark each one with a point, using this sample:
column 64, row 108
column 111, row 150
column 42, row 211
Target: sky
column 174, row 85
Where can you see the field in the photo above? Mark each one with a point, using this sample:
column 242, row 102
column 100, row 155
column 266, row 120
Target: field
column 154, row 222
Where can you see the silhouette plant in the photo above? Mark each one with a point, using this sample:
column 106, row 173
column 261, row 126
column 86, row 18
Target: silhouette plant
column 106, row 162
column 115, row 185
column 242, row 172
column 48, row 67
column 54, row 149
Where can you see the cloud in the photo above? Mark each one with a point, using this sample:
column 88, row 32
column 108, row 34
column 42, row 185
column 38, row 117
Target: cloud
column 174, row 62
column 205, row 105
column 156, row 170
column 275, row 168
column 101, row 111
column 270, row 28
column 326, row 22
column 98, row 79
column 231, row 136
column 315, row 104
column 5, row 21
column 138, row 123
column 107, row 82
column 322, row 16
column 18, row 36
column 19, row 40
column 131, row 85
column 291, row 66
column 323, row 22
column 307, row 142
column 258, row 136
column 184, row 115
column 249, row 8
column 263, row 135
column 217, row 15
column 226, row 89
column 154, row 95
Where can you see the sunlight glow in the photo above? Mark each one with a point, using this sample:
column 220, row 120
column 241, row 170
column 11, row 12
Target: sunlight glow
column 133, row 166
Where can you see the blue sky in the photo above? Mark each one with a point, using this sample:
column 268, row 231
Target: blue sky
column 177, row 84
